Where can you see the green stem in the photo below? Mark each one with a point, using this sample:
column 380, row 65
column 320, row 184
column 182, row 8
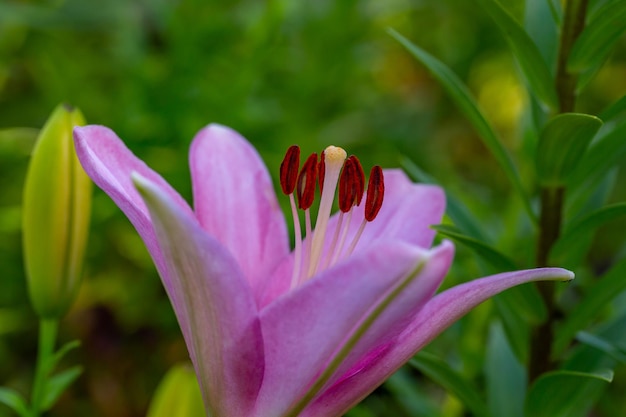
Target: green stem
column 47, row 339
column 573, row 24
column 549, row 230
column 552, row 198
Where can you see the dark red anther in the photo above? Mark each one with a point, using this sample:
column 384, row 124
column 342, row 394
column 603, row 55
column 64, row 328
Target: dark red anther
column 289, row 169
column 360, row 179
column 347, row 186
column 306, row 182
column 321, row 172
column 375, row 193
column 351, row 184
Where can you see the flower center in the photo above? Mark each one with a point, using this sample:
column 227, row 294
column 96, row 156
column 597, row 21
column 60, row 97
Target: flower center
column 333, row 169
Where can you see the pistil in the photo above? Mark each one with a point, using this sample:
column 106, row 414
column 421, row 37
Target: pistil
column 334, row 158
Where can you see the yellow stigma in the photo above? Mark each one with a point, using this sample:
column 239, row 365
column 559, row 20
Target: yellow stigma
column 334, row 155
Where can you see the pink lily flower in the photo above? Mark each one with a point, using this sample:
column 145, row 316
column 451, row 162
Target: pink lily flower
column 276, row 333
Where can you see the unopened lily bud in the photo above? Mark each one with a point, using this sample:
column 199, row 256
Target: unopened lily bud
column 178, row 395
column 56, row 212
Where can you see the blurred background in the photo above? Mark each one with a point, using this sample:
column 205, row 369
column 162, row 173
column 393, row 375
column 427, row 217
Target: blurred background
column 280, row 72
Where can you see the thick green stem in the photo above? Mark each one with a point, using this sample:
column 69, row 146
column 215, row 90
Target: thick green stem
column 573, row 24
column 552, row 198
column 47, row 339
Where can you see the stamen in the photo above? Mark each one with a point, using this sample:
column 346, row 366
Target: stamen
column 375, row 193
column 373, row 202
column 360, row 179
column 306, row 182
column 288, row 178
column 333, row 159
column 348, row 186
column 306, row 195
column 358, row 189
column 289, row 169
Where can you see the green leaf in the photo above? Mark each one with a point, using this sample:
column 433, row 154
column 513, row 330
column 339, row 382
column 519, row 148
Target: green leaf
column 498, row 260
column 596, row 41
column 596, row 299
column 408, row 391
column 532, row 64
column 505, row 376
column 59, row 354
column 451, row 380
column 577, row 233
column 541, row 22
column 463, row 98
column 602, row 345
column 516, row 328
column 14, row 401
column 603, row 154
column 614, row 110
column 562, row 393
column 56, row 385
column 562, row 144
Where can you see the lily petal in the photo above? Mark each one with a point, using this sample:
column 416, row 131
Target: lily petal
column 438, row 314
column 408, row 211
column 303, row 337
column 235, row 201
column 213, row 296
column 110, row 163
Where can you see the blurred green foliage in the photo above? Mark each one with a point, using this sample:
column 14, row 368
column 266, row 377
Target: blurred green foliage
column 280, row 72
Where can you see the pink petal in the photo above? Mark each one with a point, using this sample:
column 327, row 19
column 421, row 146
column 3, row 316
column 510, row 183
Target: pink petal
column 408, row 211
column 213, row 296
column 235, row 201
column 109, row 163
column 328, row 319
column 438, row 314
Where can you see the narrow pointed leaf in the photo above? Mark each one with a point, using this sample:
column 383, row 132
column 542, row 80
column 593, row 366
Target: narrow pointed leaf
column 59, row 354
column 14, row 401
column 562, row 393
column 505, row 376
column 562, row 144
column 516, row 328
column 603, row 154
column 409, row 392
column 541, row 22
column 584, row 229
column 596, row 41
column 601, row 294
column 531, row 62
column 463, row 98
column 498, row 260
column 57, row 384
column 602, row 345
column 614, row 110
column 455, row 383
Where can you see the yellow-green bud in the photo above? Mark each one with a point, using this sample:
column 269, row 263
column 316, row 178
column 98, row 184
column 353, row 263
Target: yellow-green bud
column 178, row 395
column 55, row 215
